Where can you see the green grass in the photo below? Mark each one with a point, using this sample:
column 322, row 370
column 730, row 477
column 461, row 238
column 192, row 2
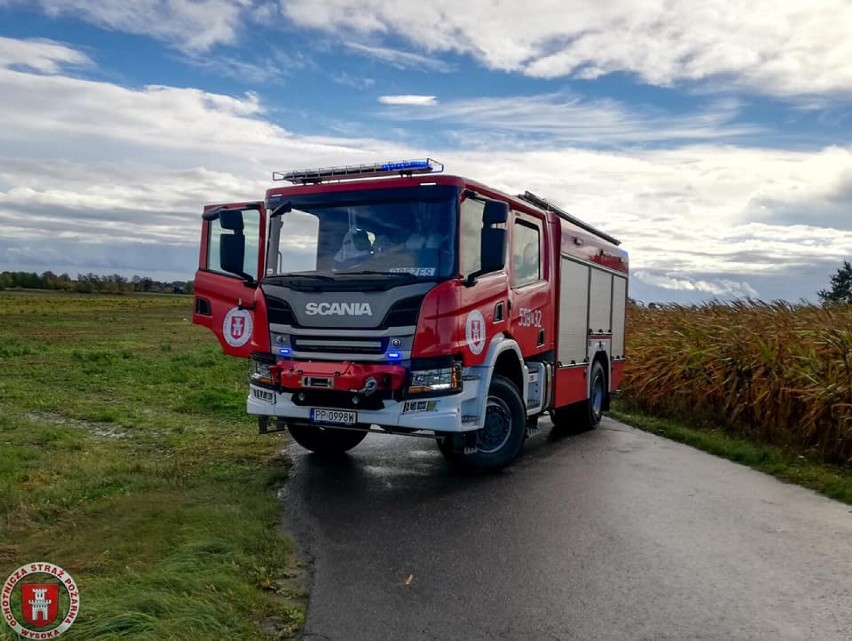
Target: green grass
column 126, row 457
column 832, row 481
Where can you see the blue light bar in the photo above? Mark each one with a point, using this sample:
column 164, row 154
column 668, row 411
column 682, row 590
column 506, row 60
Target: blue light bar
column 357, row 172
column 284, row 351
column 405, row 165
column 394, row 356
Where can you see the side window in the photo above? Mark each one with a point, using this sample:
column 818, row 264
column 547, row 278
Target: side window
column 251, row 233
column 470, row 259
column 527, row 254
column 298, row 242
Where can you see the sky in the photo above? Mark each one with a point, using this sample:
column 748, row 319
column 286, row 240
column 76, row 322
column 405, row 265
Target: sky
column 714, row 138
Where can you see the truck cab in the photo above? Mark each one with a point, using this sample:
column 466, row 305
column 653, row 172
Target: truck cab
column 393, row 298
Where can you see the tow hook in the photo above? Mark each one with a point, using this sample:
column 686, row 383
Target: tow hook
column 370, row 386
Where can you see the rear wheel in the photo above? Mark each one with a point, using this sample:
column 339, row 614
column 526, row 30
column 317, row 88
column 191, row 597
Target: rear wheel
column 501, row 438
column 585, row 416
column 325, row 440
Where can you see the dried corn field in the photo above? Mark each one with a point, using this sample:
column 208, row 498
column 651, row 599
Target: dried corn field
column 777, row 373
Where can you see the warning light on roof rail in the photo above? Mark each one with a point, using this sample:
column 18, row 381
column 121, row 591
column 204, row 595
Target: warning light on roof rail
column 356, row 172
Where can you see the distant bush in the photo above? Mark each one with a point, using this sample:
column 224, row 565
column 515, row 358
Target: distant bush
column 777, row 373
column 91, row 283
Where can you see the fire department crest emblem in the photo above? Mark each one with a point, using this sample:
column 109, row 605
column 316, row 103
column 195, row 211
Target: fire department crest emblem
column 39, row 601
column 474, row 330
column 237, row 327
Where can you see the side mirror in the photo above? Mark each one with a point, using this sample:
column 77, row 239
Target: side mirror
column 493, row 249
column 231, row 219
column 495, row 213
column 232, row 253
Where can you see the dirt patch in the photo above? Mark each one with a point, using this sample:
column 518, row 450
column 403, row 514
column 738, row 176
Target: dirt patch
column 102, row 429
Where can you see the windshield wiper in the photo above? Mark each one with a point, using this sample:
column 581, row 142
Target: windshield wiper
column 300, row 275
column 372, row 272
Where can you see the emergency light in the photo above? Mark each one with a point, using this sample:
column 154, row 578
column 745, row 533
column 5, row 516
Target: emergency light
column 355, row 172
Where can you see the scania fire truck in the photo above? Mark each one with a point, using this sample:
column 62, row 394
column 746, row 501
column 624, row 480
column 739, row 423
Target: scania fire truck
column 394, row 298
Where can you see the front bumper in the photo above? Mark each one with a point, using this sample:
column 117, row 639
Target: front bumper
column 455, row 413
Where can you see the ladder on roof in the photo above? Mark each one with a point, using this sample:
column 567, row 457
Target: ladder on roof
column 541, row 203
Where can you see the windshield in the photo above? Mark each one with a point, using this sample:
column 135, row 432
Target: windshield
column 370, row 235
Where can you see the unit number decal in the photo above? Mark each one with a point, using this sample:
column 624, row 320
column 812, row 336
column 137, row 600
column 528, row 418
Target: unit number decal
column 529, row 317
column 474, row 332
column 237, row 327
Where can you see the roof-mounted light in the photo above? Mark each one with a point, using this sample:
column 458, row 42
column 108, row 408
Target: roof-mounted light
column 356, row 172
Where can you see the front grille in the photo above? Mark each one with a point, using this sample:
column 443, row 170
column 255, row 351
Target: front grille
column 337, row 345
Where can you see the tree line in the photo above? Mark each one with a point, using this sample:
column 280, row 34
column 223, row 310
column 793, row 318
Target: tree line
column 92, row 283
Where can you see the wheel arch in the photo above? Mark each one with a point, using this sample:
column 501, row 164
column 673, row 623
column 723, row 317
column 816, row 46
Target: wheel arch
column 503, row 358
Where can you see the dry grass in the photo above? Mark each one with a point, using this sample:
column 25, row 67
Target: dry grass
column 775, row 373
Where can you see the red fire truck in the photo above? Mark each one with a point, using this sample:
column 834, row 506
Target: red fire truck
column 394, row 298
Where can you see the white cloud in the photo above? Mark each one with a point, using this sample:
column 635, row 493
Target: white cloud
column 252, row 73
column 113, row 167
column 409, row 100
column 781, row 48
column 401, row 59
column 565, row 118
column 45, row 56
column 688, row 211
column 789, row 49
column 189, row 25
column 720, row 288
column 355, row 82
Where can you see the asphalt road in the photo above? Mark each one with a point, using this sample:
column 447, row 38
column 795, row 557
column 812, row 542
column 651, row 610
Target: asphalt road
column 614, row 534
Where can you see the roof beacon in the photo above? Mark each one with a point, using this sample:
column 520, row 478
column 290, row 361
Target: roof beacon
column 356, row 172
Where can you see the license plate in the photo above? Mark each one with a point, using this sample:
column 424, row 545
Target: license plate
column 337, row 417
column 263, row 395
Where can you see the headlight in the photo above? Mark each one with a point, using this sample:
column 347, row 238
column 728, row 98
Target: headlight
column 445, row 379
column 259, row 373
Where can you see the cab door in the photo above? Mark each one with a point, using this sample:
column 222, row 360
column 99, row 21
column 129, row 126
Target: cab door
column 230, row 265
column 529, row 287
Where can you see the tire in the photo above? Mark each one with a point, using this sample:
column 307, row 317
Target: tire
column 325, row 440
column 583, row 416
column 500, row 441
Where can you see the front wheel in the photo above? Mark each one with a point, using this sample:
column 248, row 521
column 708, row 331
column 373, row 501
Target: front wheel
column 584, row 416
column 500, row 440
column 325, row 440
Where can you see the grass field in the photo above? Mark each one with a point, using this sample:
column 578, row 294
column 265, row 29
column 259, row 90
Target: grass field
column 126, row 458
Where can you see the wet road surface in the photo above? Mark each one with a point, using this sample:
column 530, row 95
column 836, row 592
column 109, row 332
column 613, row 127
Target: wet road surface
column 613, row 534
